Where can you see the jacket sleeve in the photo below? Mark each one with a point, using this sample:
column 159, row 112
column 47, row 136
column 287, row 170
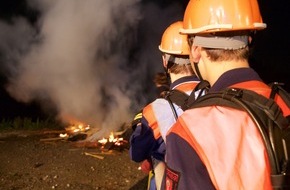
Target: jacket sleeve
column 143, row 143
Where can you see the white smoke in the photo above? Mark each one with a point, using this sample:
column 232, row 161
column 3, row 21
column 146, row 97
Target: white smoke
column 77, row 57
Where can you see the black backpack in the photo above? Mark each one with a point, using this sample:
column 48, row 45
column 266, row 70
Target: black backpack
column 268, row 117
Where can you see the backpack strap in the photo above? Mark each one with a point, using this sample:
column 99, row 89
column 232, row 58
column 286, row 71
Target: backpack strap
column 278, row 89
column 178, row 97
column 281, row 181
column 202, row 88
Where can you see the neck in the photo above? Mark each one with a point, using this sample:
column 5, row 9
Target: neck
column 211, row 71
column 175, row 77
column 222, row 67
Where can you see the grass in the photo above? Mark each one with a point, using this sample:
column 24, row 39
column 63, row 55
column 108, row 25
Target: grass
column 25, row 123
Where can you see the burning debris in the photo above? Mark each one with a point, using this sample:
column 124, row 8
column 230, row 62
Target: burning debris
column 75, row 132
column 79, row 133
column 113, row 142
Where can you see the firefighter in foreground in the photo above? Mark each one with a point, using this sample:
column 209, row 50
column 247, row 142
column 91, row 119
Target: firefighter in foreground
column 157, row 117
column 216, row 147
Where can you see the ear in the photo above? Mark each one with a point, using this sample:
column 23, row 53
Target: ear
column 195, row 53
column 164, row 61
column 250, row 39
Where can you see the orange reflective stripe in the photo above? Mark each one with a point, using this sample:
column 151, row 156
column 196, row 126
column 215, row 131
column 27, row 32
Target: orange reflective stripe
column 183, row 132
column 229, row 144
column 283, row 106
column 148, row 113
column 180, row 129
column 187, row 86
column 252, row 85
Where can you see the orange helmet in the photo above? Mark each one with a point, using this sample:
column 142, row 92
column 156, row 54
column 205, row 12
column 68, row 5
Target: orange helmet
column 208, row 16
column 172, row 42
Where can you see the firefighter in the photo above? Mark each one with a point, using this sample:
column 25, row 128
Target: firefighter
column 157, row 117
column 216, row 147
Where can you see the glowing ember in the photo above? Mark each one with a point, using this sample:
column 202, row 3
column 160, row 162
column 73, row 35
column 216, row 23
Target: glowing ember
column 112, row 139
column 103, row 141
column 77, row 128
column 63, row 135
column 74, row 130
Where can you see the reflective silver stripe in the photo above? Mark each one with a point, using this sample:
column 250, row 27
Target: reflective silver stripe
column 177, row 60
column 218, row 42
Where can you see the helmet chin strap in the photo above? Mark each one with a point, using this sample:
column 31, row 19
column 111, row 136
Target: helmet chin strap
column 166, row 69
column 197, row 71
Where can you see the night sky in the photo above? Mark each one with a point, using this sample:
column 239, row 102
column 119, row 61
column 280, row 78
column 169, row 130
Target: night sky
column 271, row 56
column 272, row 50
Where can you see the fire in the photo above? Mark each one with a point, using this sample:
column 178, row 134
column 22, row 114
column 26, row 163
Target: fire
column 75, row 129
column 63, row 135
column 112, row 139
column 78, row 128
column 74, row 125
column 103, row 141
column 79, row 131
column 113, row 142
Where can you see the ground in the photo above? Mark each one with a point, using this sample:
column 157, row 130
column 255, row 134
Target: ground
column 37, row 161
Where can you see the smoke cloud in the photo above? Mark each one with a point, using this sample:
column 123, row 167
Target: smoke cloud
column 90, row 60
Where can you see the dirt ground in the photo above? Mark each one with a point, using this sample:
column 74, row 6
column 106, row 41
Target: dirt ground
column 30, row 161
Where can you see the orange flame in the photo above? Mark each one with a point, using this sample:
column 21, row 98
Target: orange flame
column 117, row 141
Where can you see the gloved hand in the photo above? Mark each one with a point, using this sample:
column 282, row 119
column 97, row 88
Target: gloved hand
column 137, row 120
